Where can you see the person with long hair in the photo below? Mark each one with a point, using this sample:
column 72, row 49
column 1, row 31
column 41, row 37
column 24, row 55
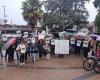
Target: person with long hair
column 22, row 50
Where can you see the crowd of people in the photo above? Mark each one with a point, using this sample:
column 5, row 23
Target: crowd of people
column 44, row 48
column 79, row 46
column 24, row 49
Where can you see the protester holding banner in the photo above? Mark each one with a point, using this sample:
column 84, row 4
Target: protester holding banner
column 85, row 48
column 52, row 45
column 72, row 45
column 47, row 50
column 29, row 44
column 78, row 46
column 34, row 52
column 40, row 48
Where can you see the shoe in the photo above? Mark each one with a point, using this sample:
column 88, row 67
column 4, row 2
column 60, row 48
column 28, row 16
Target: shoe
column 20, row 64
column 84, row 59
column 23, row 63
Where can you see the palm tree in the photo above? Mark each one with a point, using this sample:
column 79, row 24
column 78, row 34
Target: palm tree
column 32, row 12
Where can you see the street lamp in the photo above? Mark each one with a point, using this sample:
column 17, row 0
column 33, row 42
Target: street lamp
column 4, row 18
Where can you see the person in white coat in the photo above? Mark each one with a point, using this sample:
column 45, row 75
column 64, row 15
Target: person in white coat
column 22, row 50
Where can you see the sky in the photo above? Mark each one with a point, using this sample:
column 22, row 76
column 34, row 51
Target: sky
column 14, row 12
column 92, row 11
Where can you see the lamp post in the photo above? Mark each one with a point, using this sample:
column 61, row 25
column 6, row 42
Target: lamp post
column 4, row 18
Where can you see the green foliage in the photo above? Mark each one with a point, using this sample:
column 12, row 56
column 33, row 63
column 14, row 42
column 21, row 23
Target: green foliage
column 97, row 3
column 65, row 12
column 50, row 19
column 31, row 11
column 97, row 22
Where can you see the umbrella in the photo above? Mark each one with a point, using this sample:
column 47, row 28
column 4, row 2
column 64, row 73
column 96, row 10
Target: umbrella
column 89, row 38
column 98, row 39
column 81, row 34
column 84, row 31
column 94, row 35
column 10, row 42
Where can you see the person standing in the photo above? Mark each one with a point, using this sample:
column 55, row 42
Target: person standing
column 18, row 41
column 1, row 45
column 22, row 50
column 10, row 53
column 34, row 52
column 72, row 45
column 98, row 51
column 78, row 46
column 40, row 48
column 26, row 43
column 47, row 49
column 85, row 48
column 52, row 46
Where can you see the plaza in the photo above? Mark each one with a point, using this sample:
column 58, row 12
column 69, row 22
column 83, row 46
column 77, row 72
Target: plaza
column 49, row 39
column 68, row 68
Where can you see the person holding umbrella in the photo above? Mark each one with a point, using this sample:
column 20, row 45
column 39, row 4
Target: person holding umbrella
column 9, row 46
column 78, row 46
column 1, row 45
column 85, row 48
column 10, row 53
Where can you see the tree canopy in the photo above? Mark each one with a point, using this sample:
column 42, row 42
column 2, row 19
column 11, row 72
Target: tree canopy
column 65, row 12
column 31, row 11
column 97, row 3
column 58, row 12
column 97, row 19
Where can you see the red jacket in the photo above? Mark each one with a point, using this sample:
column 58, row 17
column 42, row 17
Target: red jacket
column 98, row 52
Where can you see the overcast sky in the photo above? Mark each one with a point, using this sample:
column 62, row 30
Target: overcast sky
column 13, row 11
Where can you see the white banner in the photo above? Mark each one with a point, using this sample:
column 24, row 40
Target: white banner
column 25, row 34
column 33, row 40
column 53, row 42
column 18, row 33
column 4, row 37
column 61, row 46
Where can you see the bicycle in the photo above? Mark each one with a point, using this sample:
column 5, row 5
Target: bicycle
column 88, row 64
column 92, row 63
column 96, row 66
